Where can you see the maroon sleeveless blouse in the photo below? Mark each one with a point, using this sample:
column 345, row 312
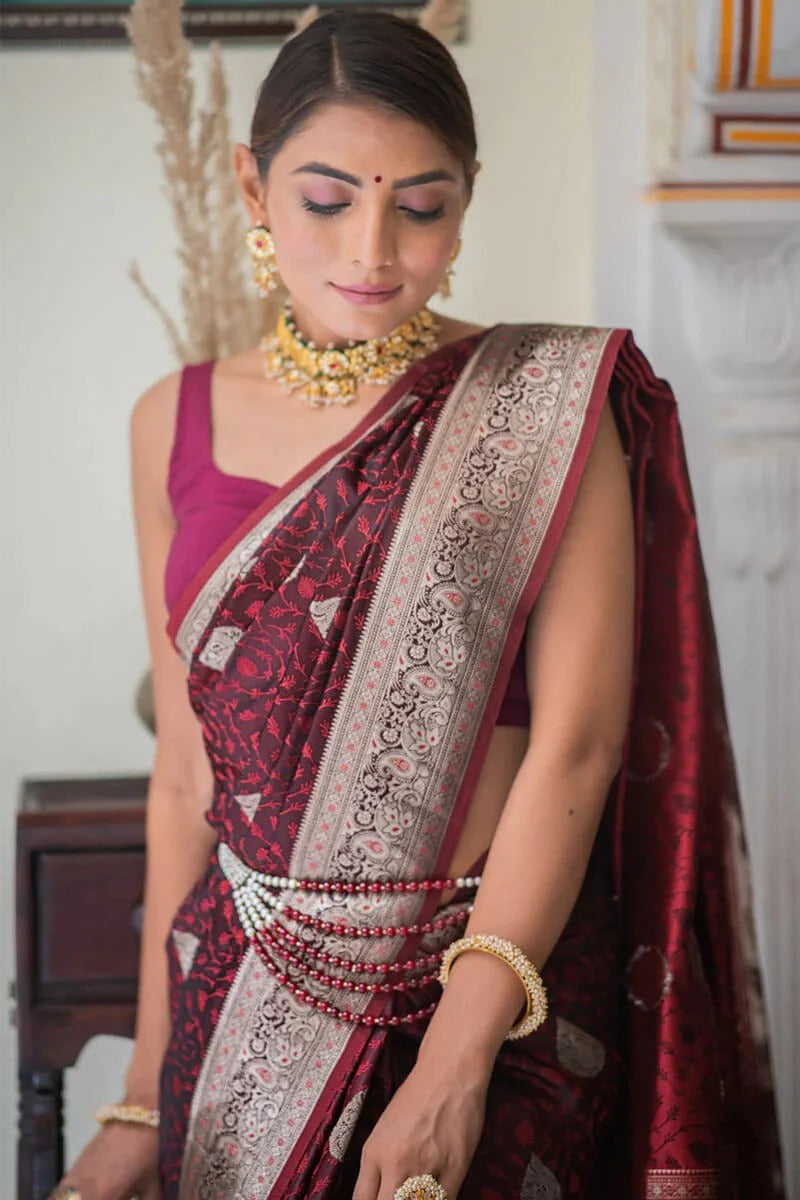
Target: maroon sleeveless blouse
column 209, row 504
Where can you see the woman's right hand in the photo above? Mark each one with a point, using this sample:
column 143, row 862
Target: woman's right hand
column 121, row 1162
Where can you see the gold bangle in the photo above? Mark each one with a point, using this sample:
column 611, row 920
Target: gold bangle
column 531, row 980
column 133, row 1114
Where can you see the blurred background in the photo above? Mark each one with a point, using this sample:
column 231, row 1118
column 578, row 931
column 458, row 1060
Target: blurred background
column 641, row 167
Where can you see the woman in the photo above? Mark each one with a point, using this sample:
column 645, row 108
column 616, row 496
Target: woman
column 451, row 672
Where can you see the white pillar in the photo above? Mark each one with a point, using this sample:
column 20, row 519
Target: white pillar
column 734, row 283
column 698, row 250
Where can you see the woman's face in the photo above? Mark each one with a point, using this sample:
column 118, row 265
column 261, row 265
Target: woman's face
column 365, row 208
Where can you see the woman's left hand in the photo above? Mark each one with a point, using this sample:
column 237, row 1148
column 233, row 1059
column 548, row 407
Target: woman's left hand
column 431, row 1126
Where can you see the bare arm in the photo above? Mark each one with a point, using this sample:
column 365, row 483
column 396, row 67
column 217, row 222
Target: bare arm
column 178, row 838
column 579, row 658
column 122, row 1160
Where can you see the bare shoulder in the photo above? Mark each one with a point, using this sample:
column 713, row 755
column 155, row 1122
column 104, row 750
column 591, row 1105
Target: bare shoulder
column 599, row 531
column 153, row 415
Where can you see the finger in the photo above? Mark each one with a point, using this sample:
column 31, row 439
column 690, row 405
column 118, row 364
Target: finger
column 151, row 1192
column 63, row 1186
column 391, row 1178
column 368, row 1182
column 452, row 1185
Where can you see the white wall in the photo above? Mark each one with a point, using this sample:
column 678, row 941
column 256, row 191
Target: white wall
column 80, row 195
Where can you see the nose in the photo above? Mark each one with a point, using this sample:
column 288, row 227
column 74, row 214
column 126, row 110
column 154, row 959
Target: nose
column 374, row 247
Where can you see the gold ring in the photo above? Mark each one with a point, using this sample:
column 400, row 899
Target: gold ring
column 67, row 1193
column 420, row 1187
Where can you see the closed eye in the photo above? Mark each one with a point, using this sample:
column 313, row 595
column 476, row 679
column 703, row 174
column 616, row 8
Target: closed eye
column 330, row 210
column 424, row 214
column 323, row 210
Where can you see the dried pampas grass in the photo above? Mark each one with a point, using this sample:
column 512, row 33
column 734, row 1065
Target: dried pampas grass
column 304, row 20
column 443, row 18
column 219, row 314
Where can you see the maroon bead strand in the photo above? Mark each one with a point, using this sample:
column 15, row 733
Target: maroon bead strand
column 348, row 985
column 343, row 1014
column 347, row 964
column 379, row 931
column 388, row 885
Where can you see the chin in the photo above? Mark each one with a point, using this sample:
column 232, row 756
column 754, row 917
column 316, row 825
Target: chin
column 361, row 324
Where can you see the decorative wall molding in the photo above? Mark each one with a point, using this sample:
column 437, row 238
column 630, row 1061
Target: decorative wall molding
column 748, row 45
column 724, row 86
column 670, row 43
column 756, row 498
column 742, row 291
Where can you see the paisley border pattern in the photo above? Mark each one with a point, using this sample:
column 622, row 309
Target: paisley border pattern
column 470, row 532
column 682, row 1185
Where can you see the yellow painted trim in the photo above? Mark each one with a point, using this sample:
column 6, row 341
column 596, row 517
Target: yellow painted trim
column 763, row 56
column 764, row 136
column 726, row 24
column 668, row 195
column 787, row 82
column 764, row 42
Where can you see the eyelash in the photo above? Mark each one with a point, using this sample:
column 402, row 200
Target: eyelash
column 421, row 216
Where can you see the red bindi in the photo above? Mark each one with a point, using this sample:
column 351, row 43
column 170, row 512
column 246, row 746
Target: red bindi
column 379, row 179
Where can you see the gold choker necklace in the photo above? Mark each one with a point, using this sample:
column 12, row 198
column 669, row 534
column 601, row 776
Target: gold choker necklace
column 332, row 376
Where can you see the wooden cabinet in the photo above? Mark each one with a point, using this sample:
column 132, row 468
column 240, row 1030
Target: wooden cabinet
column 80, row 875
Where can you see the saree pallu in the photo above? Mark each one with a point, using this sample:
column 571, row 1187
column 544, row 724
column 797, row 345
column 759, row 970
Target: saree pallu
column 348, row 651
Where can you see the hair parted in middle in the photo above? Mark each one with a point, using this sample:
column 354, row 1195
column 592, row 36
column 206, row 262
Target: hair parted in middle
column 371, row 58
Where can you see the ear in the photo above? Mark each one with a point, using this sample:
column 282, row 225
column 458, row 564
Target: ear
column 250, row 186
column 473, row 177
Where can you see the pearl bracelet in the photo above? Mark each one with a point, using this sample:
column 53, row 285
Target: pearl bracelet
column 133, row 1114
column 531, row 980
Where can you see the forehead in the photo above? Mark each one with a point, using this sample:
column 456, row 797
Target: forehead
column 367, row 138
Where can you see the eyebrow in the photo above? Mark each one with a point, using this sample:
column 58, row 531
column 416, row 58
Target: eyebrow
column 317, row 168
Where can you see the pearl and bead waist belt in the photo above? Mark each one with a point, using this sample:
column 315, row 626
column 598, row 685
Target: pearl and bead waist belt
column 320, row 938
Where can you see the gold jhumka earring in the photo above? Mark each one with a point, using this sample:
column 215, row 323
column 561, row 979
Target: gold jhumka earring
column 261, row 245
column 445, row 290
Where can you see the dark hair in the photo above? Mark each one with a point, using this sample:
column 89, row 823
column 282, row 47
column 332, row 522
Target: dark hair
column 371, row 57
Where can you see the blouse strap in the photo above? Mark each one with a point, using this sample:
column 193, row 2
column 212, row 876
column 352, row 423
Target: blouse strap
column 191, row 445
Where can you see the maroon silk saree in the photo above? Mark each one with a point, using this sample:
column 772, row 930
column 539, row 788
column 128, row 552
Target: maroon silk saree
column 348, row 650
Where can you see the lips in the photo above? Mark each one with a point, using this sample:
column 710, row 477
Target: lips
column 361, row 289
column 364, row 294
